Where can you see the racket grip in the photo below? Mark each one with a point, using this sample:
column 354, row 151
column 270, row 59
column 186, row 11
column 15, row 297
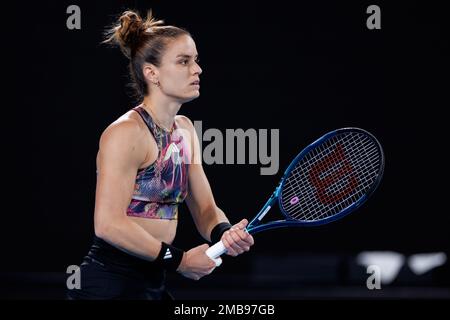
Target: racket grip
column 216, row 250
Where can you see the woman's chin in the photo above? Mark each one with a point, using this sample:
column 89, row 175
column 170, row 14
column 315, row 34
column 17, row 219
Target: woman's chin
column 191, row 97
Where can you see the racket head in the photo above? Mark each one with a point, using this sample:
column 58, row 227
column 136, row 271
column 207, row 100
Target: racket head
column 331, row 177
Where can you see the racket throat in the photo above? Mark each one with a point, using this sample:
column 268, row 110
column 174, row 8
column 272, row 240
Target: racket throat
column 257, row 220
column 264, row 213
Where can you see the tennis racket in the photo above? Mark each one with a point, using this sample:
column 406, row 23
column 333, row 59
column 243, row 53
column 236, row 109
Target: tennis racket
column 327, row 180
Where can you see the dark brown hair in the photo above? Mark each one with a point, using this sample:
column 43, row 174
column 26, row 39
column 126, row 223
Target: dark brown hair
column 142, row 40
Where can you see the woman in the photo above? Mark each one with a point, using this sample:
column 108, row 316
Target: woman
column 148, row 163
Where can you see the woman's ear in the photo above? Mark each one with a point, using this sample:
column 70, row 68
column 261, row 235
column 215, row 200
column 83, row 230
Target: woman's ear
column 150, row 72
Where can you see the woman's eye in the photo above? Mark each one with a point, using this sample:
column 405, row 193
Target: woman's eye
column 184, row 62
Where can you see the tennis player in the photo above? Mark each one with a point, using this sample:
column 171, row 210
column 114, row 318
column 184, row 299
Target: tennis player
column 149, row 162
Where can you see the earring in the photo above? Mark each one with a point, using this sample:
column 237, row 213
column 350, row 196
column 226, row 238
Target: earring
column 157, row 83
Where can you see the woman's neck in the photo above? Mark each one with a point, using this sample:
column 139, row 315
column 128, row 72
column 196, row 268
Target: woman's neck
column 163, row 111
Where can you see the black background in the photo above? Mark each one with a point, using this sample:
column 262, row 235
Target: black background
column 304, row 68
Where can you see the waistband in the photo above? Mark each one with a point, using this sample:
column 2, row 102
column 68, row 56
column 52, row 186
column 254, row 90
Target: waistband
column 111, row 256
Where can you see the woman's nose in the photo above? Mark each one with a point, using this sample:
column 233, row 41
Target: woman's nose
column 197, row 68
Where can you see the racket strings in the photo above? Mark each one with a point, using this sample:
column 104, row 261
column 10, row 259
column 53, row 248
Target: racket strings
column 299, row 171
column 331, row 177
column 333, row 189
column 338, row 206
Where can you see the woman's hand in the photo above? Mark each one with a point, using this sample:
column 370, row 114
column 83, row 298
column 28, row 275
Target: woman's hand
column 237, row 240
column 196, row 264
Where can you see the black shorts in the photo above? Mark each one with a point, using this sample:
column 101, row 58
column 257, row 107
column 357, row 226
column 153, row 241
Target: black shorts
column 110, row 273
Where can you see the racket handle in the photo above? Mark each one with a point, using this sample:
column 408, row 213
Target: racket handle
column 216, row 250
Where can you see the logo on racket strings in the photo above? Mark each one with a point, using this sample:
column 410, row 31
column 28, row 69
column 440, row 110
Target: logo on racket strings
column 337, row 156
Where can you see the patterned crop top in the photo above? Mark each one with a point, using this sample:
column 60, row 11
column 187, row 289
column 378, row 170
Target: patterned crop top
column 160, row 187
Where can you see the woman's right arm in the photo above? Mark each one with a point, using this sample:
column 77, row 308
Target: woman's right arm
column 118, row 160
column 120, row 156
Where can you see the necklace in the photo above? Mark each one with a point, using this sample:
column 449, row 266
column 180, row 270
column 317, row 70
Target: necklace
column 156, row 119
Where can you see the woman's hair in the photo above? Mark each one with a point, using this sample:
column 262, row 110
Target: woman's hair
column 142, row 40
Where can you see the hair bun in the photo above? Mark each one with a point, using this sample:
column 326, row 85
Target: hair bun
column 130, row 29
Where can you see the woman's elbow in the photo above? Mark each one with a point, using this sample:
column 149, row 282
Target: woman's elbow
column 101, row 229
column 104, row 228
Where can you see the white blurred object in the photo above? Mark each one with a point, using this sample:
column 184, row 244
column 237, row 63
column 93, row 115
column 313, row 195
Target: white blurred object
column 421, row 263
column 389, row 262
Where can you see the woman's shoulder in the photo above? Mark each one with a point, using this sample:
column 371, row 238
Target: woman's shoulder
column 184, row 122
column 126, row 127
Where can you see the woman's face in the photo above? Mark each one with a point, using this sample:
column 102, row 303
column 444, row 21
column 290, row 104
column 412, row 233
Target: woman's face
column 179, row 70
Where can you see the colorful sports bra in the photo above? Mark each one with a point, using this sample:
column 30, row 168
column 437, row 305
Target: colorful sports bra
column 160, row 187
